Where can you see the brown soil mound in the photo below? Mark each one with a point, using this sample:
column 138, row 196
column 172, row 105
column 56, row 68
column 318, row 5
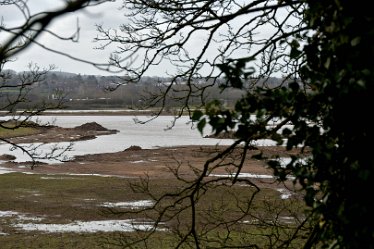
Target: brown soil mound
column 7, row 157
column 133, row 148
column 92, row 126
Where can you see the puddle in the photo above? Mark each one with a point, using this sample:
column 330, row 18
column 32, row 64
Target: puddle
column 25, row 217
column 19, row 216
column 249, row 175
column 285, row 194
column 101, row 175
column 7, row 214
column 284, row 161
column 8, row 171
column 5, row 171
column 244, row 175
column 140, row 161
column 90, row 226
column 129, row 225
column 128, row 204
column 287, row 219
column 56, row 178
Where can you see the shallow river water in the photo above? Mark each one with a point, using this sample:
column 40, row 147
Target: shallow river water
column 149, row 135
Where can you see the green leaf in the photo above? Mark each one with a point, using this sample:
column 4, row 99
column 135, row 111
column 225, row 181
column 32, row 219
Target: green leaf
column 197, row 114
column 355, row 41
column 286, row 132
column 201, row 125
column 294, row 86
column 327, row 63
column 294, row 53
column 273, row 164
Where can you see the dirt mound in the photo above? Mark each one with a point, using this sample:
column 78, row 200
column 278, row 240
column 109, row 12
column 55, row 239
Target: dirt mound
column 92, row 126
column 7, row 157
column 133, row 148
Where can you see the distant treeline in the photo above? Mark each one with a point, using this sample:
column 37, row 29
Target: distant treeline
column 96, row 92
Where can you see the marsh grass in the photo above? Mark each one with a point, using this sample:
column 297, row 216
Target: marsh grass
column 19, row 132
column 61, row 199
column 12, row 129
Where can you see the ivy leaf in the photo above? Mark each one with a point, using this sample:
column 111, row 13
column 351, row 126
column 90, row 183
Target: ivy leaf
column 295, row 52
column 355, row 41
column 201, row 125
column 197, row 114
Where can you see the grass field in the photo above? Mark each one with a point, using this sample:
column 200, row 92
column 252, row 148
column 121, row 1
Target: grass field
column 18, row 132
column 52, row 200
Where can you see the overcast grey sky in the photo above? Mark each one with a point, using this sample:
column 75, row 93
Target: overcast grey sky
column 108, row 14
column 111, row 16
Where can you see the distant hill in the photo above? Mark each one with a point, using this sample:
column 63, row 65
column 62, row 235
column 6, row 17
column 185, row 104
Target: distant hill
column 92, row 91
